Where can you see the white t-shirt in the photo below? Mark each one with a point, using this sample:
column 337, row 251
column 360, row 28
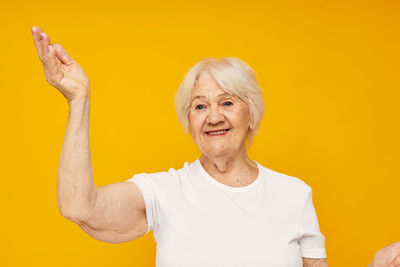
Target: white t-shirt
column 200, row 222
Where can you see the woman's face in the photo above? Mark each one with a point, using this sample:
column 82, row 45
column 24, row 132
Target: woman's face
column 218, row 121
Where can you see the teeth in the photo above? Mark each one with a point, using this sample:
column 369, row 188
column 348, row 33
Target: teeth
column 219, row 132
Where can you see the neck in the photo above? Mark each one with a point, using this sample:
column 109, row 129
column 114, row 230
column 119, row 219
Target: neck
column 227, row 168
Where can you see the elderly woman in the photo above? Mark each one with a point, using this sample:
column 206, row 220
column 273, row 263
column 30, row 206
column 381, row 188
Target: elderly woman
column 223, row 209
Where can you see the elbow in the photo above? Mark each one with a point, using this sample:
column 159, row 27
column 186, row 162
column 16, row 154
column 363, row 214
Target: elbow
column 76, row 211
column 77, row 216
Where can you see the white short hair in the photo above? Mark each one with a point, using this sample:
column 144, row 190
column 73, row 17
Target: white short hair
column 235, row 77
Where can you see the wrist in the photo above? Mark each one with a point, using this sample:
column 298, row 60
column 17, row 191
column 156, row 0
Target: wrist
column 77, row 101
column 79, row 95
column 82, row 99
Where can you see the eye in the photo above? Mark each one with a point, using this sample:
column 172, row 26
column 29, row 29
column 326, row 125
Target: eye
column 228, row 103
column 199, row 106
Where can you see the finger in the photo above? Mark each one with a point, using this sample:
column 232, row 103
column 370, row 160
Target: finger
column 51, row 63
column 396, row 245
column 62, row 55
column 44, row 43
column 37, row 38
column 396, row 261
column 59, row 63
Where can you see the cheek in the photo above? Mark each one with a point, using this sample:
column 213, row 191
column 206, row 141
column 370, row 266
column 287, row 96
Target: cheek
column 240, row 119
column 195, row 123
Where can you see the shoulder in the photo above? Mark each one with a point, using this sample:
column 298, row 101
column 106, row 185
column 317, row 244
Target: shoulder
column 283, row 181
column 163, row 177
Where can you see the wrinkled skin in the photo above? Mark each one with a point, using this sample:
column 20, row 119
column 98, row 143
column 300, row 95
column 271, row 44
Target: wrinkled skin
column 387, row 257
column 61, row 71
column 311, row 262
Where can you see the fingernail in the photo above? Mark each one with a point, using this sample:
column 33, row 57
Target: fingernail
column 48, row 48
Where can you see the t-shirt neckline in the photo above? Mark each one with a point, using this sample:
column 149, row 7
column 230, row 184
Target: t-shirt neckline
column 227, row 187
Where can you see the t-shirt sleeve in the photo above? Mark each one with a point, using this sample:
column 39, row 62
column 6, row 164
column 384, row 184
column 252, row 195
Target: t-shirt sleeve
column 311, row 241
column 145, row 182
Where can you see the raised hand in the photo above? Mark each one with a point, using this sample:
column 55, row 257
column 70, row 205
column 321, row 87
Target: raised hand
column 60, row 69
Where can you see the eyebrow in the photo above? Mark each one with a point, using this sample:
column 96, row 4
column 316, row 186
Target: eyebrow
column 218, row 96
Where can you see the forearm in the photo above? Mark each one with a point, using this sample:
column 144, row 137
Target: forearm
column 75, row 186
column 317, row 262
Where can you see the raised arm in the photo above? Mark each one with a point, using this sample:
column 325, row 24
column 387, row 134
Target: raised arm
column 114, row 213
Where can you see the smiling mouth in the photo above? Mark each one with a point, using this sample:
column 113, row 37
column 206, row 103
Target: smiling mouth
column 218, row 132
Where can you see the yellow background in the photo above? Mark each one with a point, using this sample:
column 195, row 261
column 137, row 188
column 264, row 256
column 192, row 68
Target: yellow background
column 330, row 73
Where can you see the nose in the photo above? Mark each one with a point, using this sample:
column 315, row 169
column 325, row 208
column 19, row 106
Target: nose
column 215, row 116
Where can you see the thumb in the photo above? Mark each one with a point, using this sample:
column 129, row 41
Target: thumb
column 62, row 54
